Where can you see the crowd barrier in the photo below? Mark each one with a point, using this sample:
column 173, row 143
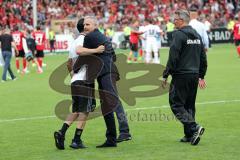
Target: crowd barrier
column 63, row 42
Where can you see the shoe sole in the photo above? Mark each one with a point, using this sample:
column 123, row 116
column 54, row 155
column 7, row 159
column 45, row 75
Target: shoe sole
column 77, row 147
column 73, row 147
column 183, row 141
column 122, row 140
column 125, row 139
column 197, row 139
column 105, row 146
column 56, row 136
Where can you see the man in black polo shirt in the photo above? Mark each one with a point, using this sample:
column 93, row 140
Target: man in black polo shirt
column 7, row 43
column 107, row 83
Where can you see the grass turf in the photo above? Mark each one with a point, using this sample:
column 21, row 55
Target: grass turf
column 27, row 119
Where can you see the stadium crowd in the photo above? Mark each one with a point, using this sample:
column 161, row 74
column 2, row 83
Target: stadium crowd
column 112, row 12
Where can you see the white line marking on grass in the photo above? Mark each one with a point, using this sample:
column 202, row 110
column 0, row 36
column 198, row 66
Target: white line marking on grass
column 26, row 119
column 198, row 103
column 143, row 108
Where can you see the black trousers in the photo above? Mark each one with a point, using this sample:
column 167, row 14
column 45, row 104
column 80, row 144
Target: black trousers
column 182, row 97
column 109, row 102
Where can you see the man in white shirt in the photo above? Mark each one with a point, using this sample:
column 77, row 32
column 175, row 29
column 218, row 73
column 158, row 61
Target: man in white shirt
column 151, row 32
column 208, row 26
column 199, row 27
column 81, row 104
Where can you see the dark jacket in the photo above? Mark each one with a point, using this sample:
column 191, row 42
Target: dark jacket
column 187, row 54
column 31, row 44
column 104, row 61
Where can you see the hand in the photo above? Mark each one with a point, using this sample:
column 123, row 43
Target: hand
column 202, row 84
column 100, row 49
column 71, row 74
column 164, row 83
column 16, row 53
column 206, row 50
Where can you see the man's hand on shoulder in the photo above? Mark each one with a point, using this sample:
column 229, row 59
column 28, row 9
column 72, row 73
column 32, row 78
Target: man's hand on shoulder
column 100, row 49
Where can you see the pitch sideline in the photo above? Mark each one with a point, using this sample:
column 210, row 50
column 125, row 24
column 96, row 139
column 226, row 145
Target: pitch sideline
column 143, row 108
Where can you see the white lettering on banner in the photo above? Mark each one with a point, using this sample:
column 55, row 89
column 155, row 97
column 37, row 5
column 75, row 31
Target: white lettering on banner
column 62, row 43
column 222, row 35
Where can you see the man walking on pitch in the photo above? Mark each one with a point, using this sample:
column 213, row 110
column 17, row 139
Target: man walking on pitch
column 6, row 44
column 187, row 64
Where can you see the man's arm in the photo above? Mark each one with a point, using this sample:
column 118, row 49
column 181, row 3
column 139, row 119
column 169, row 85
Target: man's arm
column 202, row 69
column 174, row 54
column 205, row 39
column 15, row 48
column 173, row 58
column 69, row 66
column 82, row 51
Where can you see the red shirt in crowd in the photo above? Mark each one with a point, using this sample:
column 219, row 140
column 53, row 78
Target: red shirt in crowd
column 40, row 38
column 17, row 37
column 236, row 30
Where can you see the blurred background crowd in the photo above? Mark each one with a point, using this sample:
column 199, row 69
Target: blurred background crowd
column 112, row 13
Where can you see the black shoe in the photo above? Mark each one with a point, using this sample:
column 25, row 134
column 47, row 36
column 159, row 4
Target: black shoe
column 196, row 136
column 107, row 144
column 59, row 140
column 77, row 145
column 185, row 139
column 124, row 137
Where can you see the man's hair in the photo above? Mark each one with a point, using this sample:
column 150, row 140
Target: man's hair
column 184, row 15
column 150, row 20
column 6, row 31
column 38, row 27
column 80, row 25
column 193, row 9
column 15, row 28
column 92, row 18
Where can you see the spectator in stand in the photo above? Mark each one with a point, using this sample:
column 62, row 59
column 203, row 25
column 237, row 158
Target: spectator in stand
column 117, row 12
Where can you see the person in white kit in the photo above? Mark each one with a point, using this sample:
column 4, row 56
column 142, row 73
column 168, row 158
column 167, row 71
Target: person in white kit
column 159, row 38
column 199, row 27
column 81, row 104
column 143, row 41
column 151, row 32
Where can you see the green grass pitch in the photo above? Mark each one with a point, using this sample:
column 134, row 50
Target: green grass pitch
column 27, row 119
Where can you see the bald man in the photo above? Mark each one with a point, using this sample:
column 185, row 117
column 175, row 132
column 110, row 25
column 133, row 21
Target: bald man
column 106, row 82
